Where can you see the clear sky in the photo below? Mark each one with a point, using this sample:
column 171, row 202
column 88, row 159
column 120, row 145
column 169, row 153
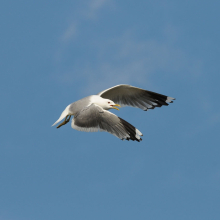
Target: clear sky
column 53, row 53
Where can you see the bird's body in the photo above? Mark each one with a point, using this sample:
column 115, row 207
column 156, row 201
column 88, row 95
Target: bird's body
column 80, row 104
column 90, row 113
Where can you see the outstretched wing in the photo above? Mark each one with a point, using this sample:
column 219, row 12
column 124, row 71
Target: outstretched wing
column 127, row 95
column 94, row 118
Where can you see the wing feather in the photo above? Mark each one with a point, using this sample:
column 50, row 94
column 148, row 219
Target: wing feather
column 94, row 118
column 127, row 95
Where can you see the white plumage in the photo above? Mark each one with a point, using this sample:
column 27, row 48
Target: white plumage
column 91, row 115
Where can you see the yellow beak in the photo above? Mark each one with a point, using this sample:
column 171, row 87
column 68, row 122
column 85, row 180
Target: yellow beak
column 115, row 107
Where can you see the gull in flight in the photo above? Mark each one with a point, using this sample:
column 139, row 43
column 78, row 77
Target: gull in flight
column 91, row 113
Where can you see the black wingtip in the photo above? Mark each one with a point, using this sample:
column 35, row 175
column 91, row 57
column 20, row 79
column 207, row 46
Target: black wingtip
column 131, row 130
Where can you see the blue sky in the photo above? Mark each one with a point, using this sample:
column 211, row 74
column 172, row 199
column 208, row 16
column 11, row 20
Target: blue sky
column 56, row 52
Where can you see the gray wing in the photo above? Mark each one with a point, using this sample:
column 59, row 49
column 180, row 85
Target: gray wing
column 94, row 118
column 127, row 95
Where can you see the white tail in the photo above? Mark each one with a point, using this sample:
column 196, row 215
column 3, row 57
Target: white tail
column 63, row 115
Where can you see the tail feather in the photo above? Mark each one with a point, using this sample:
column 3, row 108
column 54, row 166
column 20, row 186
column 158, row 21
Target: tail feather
column 63, row 115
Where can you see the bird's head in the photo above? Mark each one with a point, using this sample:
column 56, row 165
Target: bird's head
column 105, row 103
column 110, row 104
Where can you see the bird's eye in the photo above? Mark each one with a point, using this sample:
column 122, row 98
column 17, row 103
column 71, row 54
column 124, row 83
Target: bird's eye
column 108, row 102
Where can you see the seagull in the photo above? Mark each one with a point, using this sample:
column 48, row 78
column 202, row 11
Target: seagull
column 91, row 113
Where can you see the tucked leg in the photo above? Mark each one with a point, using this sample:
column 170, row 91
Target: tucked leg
column 66, row 120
